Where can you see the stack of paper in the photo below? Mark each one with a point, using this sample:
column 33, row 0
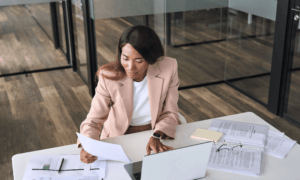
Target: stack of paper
column 277, row 145
column 244, row 161
column 251, row 135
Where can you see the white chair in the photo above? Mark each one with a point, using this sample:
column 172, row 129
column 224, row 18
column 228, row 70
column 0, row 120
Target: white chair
column 182, row 119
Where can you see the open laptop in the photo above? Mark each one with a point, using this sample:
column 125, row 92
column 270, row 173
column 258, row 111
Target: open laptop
column 188, row 162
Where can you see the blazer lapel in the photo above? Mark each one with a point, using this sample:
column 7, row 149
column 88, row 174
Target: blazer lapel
column 154, row 90
column 126, row 93
column 154, row 84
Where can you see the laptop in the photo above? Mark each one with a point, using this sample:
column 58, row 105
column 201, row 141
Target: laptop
column 188, row 162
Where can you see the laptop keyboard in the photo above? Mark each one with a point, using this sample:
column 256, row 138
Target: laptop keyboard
column 137, row 176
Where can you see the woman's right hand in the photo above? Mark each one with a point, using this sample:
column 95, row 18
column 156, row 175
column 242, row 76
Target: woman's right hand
column 86, row 157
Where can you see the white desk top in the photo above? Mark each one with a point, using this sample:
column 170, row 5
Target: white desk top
column 134, row 146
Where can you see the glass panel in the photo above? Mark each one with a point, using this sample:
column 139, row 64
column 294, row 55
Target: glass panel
column 25, row 44
column 61, row 25
column 197, row 36
column 41, row 12
column 79, row 37
column 250, row 46
column 296, row 59
column 292, row 104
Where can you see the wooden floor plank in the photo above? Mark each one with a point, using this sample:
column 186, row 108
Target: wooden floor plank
column 6, row 171
column 215, row 101
column 70, row 100
column 59, row 114
column 191, row 110
column 2, row 84
column 45, row 127
column 83, row 96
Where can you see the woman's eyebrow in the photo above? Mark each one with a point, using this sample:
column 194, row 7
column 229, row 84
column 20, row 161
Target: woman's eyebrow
column 135, row 58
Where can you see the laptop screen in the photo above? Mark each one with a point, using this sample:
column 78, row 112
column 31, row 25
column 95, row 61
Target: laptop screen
column 188, row 162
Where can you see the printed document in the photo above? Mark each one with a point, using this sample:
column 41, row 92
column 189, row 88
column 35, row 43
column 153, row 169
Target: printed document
column 248, row 134
column 241, row 160
column 277, row 145
column 103, row 150
column 45, row 167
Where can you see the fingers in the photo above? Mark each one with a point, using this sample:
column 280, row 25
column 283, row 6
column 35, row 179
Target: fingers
column 165, row 148
column 169, row 147
column 148, row 149
column 155, row 149
column 86, row 157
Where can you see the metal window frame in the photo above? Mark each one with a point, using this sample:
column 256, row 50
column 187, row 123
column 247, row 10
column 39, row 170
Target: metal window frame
column 68, row 53
column 281, row 49
column 54, row 22
column 90, row 44
column 71, row 34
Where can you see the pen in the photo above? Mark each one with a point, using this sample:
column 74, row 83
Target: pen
column 62, row 161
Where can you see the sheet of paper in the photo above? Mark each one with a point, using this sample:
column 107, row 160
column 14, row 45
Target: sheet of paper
column 238, row 132
column 275, row 133
column 102, row 170
column 278, row 146
column 103, row 150
column 245, row 161
column 72, row 168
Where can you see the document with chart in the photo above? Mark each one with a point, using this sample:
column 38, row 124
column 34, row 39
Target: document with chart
column 63, row 167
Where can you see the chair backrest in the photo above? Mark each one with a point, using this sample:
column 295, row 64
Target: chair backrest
column 182, row 119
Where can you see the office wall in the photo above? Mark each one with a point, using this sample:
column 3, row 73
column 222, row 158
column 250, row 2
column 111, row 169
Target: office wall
column 21, row 2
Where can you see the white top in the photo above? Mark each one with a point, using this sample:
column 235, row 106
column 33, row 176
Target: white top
column 141, row 108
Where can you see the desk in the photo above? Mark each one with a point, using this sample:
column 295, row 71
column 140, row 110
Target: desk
column 134, row 146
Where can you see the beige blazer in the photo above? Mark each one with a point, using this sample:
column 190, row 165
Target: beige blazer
column 112, row 105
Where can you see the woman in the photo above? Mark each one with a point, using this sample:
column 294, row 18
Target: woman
column 137, row 92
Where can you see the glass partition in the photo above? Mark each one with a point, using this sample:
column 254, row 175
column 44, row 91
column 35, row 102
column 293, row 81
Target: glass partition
column 296, row 58
column 193, row 32
column 41, row 13
column 27, row 39
column 249, row 46
column 79, row 38
column 292, row 94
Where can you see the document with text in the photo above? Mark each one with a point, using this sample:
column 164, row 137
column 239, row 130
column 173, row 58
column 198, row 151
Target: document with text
column 277, row 145
column 240, row 160
column 248, row 134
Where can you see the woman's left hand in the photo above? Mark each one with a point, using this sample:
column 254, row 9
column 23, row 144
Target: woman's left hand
column 155, row 145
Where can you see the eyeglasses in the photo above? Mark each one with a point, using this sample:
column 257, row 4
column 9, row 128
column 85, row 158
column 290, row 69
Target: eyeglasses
column 222, row 151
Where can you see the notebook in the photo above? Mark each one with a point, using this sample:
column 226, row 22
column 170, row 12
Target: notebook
column 206, row 134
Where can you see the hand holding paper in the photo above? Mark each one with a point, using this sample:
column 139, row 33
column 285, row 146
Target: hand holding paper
column 104, row 151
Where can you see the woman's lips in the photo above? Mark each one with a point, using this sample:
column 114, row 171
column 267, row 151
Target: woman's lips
column 131, row 74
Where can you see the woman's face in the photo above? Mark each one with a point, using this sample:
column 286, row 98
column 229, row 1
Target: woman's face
column 134, row 64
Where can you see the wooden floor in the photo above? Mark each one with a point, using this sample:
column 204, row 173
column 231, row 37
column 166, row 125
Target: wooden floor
column 44, row 110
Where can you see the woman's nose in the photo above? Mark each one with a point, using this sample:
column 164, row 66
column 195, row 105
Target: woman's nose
column 131, row 66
